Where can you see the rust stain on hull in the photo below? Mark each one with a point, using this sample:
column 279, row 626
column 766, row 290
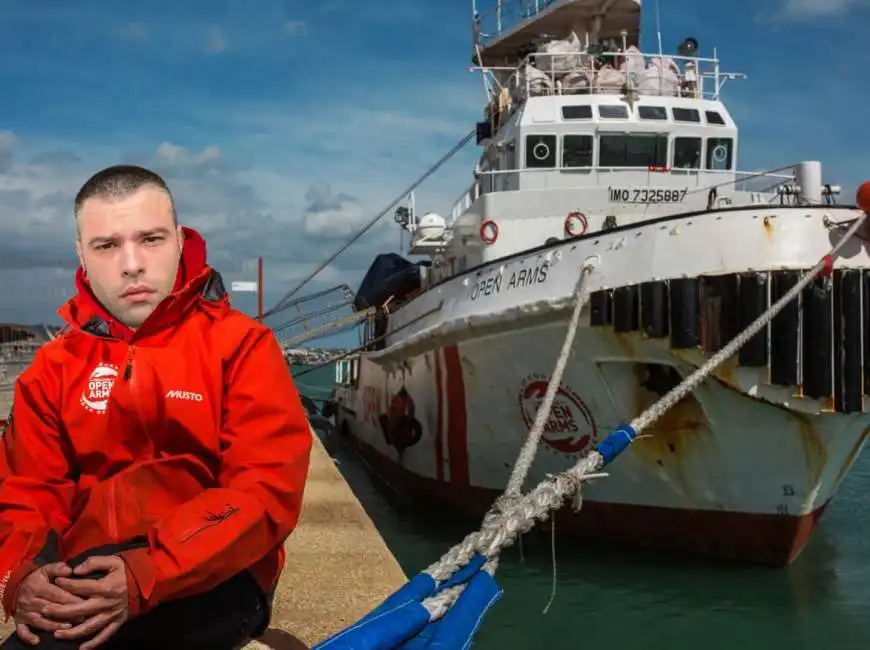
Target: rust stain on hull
column 723, row 372
column 625, row 343
column 815, row 450
column 675, row 432
column 812, row 441
column 768, row 228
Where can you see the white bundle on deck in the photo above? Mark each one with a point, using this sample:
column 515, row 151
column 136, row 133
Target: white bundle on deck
column 576, row 83
column 610, row 80
column 563, row 56
column 634, row 66
column 661, row 77
column 539, row 83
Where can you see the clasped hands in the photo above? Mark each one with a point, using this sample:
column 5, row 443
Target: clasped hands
column 54, row 598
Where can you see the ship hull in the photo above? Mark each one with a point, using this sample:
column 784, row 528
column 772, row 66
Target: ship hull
column 746, row 538
column 741, row 468
column 722, row 474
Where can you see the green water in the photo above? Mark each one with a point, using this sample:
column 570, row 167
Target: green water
column 618, row 598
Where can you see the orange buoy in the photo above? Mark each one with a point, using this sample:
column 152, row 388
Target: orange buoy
column 862, row 198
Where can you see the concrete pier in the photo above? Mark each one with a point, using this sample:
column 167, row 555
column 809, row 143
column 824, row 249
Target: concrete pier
column 338, row 565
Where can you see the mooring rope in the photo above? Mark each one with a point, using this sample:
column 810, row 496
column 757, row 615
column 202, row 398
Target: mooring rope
column 516, row 516
column 527, row 454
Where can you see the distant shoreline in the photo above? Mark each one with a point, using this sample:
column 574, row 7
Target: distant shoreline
column 308, row 356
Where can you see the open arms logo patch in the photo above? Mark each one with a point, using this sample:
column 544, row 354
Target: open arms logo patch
column 95, row 395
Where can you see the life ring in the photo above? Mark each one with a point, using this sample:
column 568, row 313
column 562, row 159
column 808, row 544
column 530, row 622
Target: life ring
column 541, row 151
column 489, row 231
column 570, row 230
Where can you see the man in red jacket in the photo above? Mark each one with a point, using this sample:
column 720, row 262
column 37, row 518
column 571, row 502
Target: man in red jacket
column 156, row 454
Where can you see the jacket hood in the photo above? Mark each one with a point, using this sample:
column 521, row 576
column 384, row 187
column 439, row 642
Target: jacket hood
column 84, row 309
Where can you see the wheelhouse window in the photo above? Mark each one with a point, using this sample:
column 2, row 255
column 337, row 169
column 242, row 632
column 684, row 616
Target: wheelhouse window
column 577, row 151
column 720, row 153
column 686, row 115
column 714, row 117
column 652, row 112
column 613, row 111
column 541, row 151
column 632, row 150
column 687, row 153
column 580, row 112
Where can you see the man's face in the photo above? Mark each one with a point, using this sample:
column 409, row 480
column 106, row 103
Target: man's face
column 130, row 249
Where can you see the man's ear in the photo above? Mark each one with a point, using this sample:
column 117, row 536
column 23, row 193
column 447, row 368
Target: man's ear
column 179, row 237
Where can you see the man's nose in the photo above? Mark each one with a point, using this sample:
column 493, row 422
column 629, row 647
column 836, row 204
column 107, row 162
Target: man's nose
column 132, row 259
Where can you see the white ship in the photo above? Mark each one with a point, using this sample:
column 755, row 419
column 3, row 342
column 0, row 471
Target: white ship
column 593, row 151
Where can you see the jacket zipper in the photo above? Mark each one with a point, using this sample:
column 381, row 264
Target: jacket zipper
column 128, row 369
column 212, row 519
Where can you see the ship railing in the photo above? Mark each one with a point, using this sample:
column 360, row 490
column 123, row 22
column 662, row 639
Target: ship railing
column 774, row 178
column 491, row 23
column 642, row 74
column 15, row 357
column 464, row 202
column 19, row 350
column 768, row 185
column 347, row 370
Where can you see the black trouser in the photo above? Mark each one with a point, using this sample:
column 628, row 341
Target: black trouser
column 225, row 618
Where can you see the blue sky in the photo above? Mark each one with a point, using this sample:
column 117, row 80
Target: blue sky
column 283, row 126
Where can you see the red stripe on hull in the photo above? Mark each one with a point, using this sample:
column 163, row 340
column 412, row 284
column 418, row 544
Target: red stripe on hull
column 767, row 539
column 439, row 420
column 457, row 422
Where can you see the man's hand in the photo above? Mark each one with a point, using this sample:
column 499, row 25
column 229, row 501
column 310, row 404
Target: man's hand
column 36, row 594
column 105, row 607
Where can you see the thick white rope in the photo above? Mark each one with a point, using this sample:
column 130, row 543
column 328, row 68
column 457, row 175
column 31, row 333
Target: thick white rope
column 501, row 529
column 527, row 454
column 513, row 491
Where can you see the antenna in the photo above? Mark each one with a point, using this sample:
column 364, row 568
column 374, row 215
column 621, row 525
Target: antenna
column 659, row 29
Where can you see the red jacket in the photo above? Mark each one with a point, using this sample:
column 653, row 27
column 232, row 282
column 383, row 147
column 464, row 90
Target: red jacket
column 188, row 433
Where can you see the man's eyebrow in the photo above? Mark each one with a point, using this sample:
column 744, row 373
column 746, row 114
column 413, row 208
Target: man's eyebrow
column 94, row 241
column 161, row 230
column 140, row 234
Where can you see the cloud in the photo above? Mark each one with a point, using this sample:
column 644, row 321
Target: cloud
column 230, row 204
column 57, row 159
column 808, row 10
column 178, row 156
column 331, row 215
column 216, row 40
column 7, row 146
column 294, row 26
column 284, row 150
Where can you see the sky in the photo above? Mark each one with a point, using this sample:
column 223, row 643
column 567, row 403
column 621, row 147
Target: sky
column 282, row 127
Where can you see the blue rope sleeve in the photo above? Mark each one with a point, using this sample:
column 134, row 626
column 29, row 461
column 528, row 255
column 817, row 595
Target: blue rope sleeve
column 616, row 442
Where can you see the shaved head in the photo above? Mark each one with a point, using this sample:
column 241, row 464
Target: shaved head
column 119, row 182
